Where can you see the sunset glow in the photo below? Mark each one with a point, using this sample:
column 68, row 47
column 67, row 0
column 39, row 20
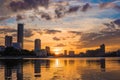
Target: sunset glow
column 76, row 25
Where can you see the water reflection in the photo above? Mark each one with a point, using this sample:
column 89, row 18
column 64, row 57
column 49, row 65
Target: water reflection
column 60, row 69
column 100, row 63
column 12, row 70
column 37, row 68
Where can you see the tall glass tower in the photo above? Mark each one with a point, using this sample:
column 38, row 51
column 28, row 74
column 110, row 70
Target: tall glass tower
column 20, row 34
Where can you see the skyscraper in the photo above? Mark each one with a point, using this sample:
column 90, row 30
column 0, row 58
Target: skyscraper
column 20, row 34
column 37, row 46
column 8, row 41
column 65, row 52
column 102, row 48
column 47, row 50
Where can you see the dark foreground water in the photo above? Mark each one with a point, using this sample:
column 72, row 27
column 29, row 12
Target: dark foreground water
column 61, row 69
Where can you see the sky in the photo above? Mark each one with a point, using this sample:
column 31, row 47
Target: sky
column 76, row 25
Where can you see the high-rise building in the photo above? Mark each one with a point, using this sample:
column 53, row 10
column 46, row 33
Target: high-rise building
column 47, row 50
column 102, row 48
column 8, row 41
column 37, row 46
column 16, row 45
column 37, row 68
column 65, row 52
column 20, row 34
column 2, row 48
column 71, row 53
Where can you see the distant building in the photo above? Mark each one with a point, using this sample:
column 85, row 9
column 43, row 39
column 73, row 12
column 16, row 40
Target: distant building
column 102, row 48
column 48, row 50
column 37, row 68
column 71, row 53
column 118, row 53
column 20, row 34
column 8, row 41
column 37, row 46
column 2, row 48
column 17, row 45
column 98, row 52
column 65, row 52
column 41, row 53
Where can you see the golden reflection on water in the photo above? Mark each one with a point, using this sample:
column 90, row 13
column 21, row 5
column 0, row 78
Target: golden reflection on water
column 62, row 69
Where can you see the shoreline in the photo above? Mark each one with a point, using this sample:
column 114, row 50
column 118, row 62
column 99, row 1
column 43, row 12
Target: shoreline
column 21, row 57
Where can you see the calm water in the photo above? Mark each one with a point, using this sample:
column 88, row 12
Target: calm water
column 61, row 69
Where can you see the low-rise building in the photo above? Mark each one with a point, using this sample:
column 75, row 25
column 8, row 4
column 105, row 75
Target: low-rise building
column 2, row 48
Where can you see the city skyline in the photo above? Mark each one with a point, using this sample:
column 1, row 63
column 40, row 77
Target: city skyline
column 83, row 25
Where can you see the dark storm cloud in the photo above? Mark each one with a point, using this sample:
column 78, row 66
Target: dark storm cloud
column 27, row 4
column 60, row 45
column 56, row 38
column 52, row 31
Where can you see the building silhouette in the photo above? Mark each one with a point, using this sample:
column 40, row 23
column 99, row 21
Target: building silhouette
column 102, row 48
column 8, row 41
column 65, row 52
column 2, row 48
column 20, row 71
column 11, row 68
column 37, row 68
column 16, row 45
column 48, row 50
column 103, row 65
column 8, row 73
column 71, row 53
column 98, row 52
column 20, row 34
column 37, row 46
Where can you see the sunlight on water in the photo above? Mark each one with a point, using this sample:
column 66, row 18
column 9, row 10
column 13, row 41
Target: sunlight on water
column 61, row 69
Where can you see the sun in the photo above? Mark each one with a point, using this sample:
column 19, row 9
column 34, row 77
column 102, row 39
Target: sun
column 57, row 51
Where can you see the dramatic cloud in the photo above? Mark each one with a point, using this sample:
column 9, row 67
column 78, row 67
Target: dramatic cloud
column 20, row 17
column 105, row 36
column 60, row 45
column 28, row 33
column 27, row 4
column 75, row 32
column 7, row 30
column 2, row 18
column 73, row 9
column 45, row 16
column 86, row 7
column 109, row 5
column 52, row 31
column 13, row 32
column 117, row 22
column 56, row 39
